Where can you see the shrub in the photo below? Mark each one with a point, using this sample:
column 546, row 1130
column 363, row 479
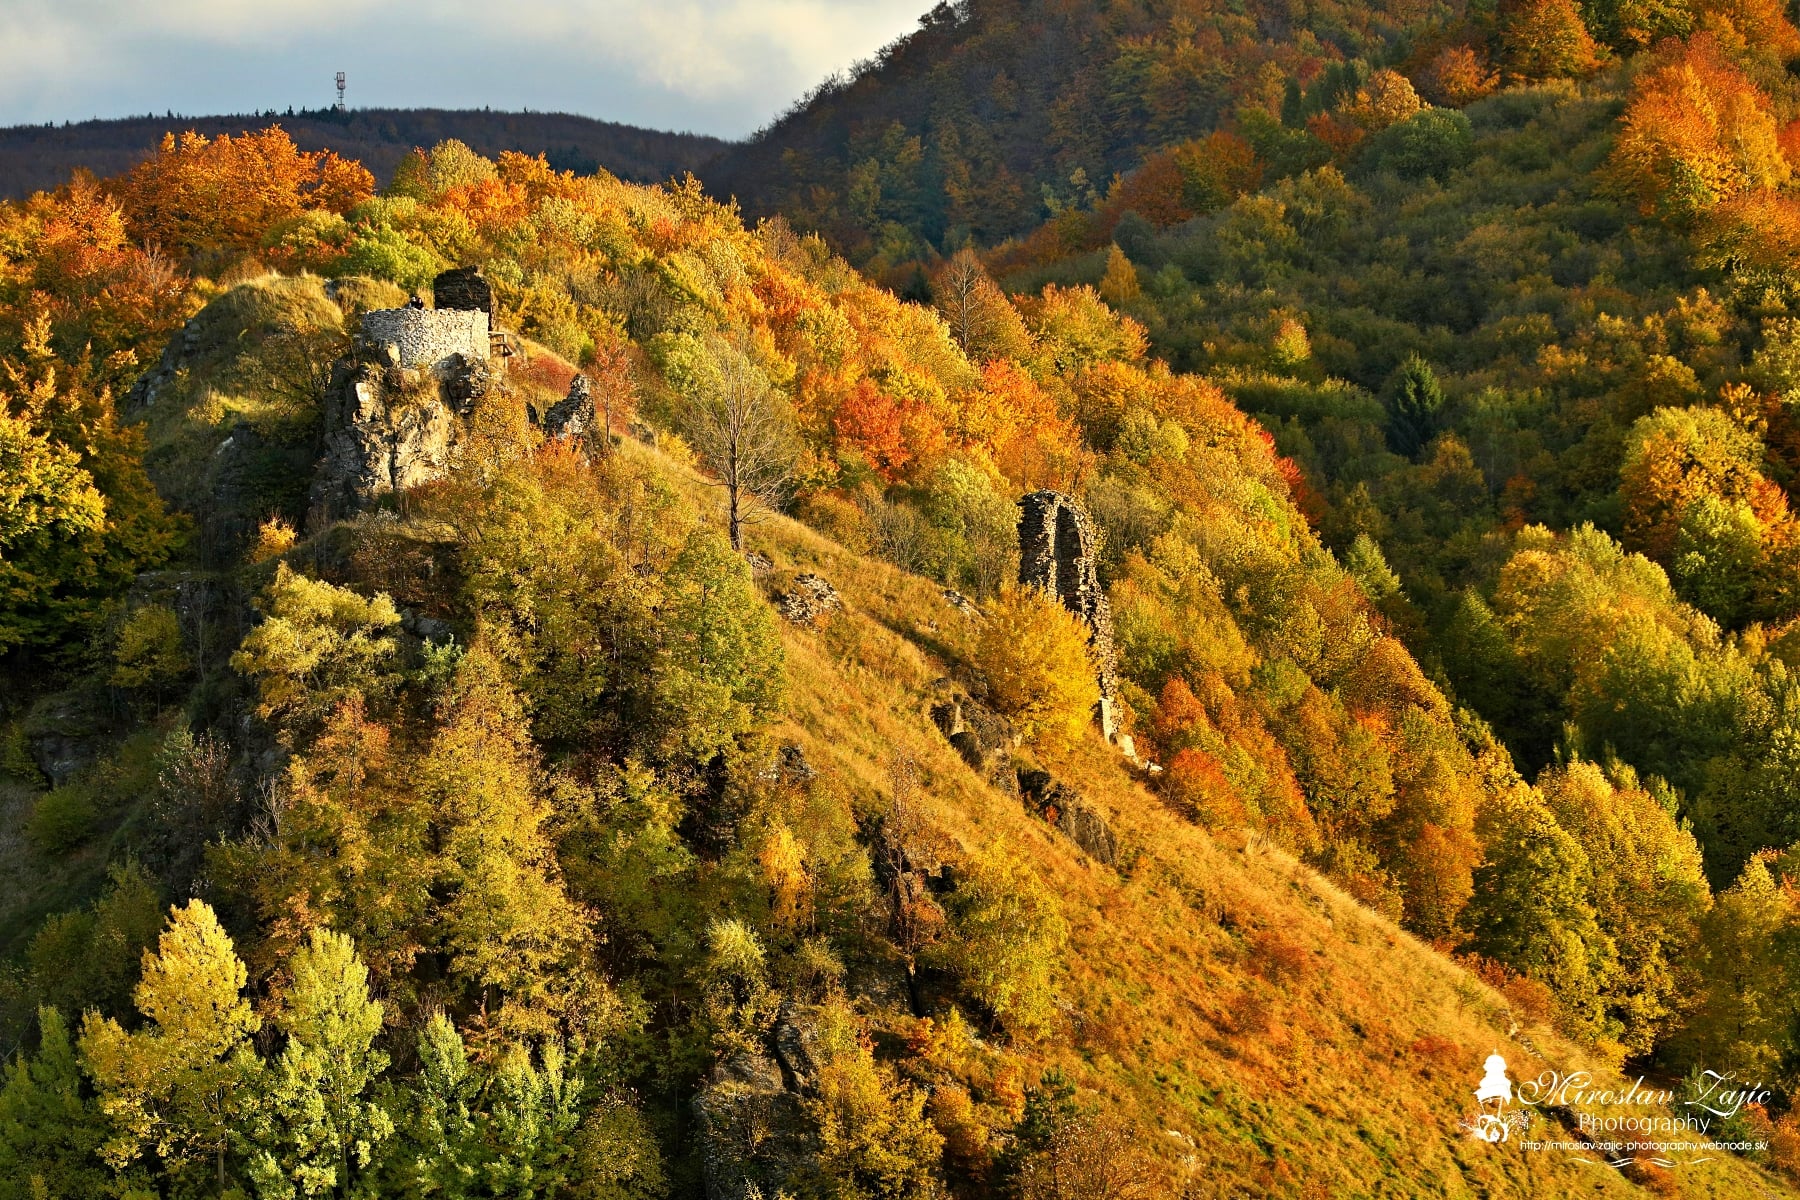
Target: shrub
column 61, row 820
column 1034, row 655
column 1432, row 143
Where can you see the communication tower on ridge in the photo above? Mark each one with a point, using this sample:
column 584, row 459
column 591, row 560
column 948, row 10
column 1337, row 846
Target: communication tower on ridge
column 340, row 87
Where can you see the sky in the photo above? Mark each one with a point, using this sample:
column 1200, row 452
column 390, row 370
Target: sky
column 724, row 67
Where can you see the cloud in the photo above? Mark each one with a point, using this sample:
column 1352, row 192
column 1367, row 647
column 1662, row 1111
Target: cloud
column 723, row 67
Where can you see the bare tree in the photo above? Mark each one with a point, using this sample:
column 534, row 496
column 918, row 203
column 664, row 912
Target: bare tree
column 959, row 297
column 908, row 851
column 740, row 426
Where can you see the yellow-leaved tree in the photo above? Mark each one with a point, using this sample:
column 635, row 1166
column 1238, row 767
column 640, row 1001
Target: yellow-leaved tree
column 1034, row 654
column 173, row 1087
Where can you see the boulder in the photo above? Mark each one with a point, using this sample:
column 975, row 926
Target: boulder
column 1070, row 812
column 809, row 598
column 983, row 737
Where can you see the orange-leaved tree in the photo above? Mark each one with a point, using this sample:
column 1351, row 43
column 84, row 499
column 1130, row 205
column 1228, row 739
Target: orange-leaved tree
column 1696, row 132
column 200, row 195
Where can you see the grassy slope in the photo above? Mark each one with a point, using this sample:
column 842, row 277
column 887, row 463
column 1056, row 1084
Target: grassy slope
column 1218, row 989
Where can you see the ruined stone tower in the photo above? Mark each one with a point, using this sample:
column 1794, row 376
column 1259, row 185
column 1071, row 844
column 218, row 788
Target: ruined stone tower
column 1058, row 552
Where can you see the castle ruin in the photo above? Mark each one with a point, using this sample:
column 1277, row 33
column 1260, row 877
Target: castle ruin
column 416, row 338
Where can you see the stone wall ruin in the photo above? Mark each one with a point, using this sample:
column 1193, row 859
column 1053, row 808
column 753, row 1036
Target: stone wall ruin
column 1059, row 553
column 426, row 339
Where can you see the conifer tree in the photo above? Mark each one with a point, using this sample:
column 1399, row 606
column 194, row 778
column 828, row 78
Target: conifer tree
column 50, row 1132
column 1414, row 401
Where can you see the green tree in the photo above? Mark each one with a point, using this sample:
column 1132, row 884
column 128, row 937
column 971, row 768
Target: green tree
column 517, row 1127
column 50, row 1131
column 89, row 958
column 316, row 645
column 1531, row 908
column 1745, row 1014
column 316, row 1126
column 719, row 674
column 173, row 1087
column 1414, row 402
column 509, row 931
column 1007, row 933
column 1648, row 892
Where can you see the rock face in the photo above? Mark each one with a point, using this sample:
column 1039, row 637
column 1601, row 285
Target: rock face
column 1064, row 807
column 427, row 339
column 810, row 598
column 573, row 415
column 463, row 289
column 379, row 440
column 983, row 737
column 1059, row 553
column 751, row 1127
column 182, row 346
column 466, row 380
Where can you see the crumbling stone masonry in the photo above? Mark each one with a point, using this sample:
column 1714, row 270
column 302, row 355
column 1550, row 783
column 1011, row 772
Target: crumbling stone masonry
column 465, row 289
column 1059, row 553
column 427, row 338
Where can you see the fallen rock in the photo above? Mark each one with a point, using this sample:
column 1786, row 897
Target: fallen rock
column 960, row 603
column 810, row 598
column 1065, row 808
column 759, row 564
column 983, row 737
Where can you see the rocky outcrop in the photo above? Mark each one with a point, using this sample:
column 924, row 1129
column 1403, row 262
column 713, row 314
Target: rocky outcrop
column 464, row 289
column 573, row 415
column 380, row 439
column 983, row 737
column 961, row 603
column 1059, row 551
column 807, row 599
column 181, row 347
column 67, row 732
column 797, row 1036
column 1065, row 808
column 751, row 1128
column 466, row 380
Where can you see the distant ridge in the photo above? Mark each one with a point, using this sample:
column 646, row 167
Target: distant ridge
column 40, row 157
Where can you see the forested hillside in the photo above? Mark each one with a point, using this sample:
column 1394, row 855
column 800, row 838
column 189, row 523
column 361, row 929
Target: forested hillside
column 631, row 769
column 42, row 157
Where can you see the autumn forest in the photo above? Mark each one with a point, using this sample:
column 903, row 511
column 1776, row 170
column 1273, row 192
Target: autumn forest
column 638, row 764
